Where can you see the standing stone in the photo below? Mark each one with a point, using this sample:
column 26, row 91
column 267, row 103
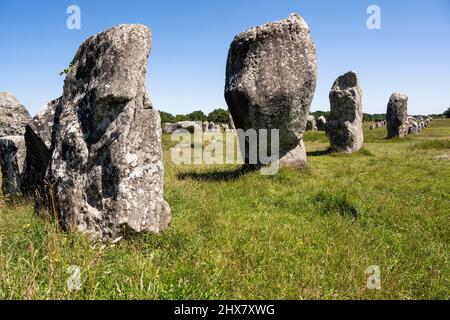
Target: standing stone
column 107, row 170
column 12, row 156
column 413, row 127
column 322, row 123
column 13, row 116
column 311, row 124
column 205, row 126
column 397, row 116
column 345, row 129
column 270, row 82
column 38, row 140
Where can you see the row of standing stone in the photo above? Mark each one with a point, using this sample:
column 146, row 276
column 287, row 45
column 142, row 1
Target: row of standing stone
column 270, row 83
column 93, row 158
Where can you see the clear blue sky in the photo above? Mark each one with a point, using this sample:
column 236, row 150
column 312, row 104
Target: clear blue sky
column 410, row 54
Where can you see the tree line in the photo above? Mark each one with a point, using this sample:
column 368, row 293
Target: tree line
column 216, row 116
column 223, row 116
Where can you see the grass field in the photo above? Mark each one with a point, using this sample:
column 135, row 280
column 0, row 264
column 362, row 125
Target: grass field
column 308, row 234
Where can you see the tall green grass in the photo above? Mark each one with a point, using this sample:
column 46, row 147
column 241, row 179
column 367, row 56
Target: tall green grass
column 302, row 234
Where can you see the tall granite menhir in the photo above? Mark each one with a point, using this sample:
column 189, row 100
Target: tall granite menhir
column 397, row 116
column 344, row 127
column 106, row 171
column 270, row 82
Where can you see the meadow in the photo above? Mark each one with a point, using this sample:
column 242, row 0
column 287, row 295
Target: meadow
column 302, row 234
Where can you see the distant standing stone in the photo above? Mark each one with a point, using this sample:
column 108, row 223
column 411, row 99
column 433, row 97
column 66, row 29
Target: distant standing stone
column 311, row 124
column 413, row 126
column 13, row 116
column 397, row 116
column 344, row 128
column 322, row 123
column 270, row 82
column 12, row 156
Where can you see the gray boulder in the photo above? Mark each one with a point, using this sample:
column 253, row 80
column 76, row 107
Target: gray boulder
column 344, row 128
column 106, row 171
column 397, row 116
column 270, row 82
column 12, row 156
column 13, row 116
column 38, row 141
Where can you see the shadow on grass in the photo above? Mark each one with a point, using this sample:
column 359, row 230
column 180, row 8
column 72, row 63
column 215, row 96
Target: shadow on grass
column 332, row 203
column 319, row 153
column 229, row 175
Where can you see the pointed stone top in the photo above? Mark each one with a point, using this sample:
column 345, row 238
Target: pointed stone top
column 294, row 19
column 399, row 96
column 346, row 81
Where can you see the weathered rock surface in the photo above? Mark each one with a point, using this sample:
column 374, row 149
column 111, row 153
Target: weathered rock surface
column 344, row 128
column 107, row 168
column 38, row 141
column 397, row 116
column 12, row 156
column 270, row 82
column 13, row 116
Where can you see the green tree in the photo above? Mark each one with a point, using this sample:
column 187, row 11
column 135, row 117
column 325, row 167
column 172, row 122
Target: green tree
column 180, row 117
column 219, row 116
column 447, row 113
column 166, row 117
column 197, row 116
